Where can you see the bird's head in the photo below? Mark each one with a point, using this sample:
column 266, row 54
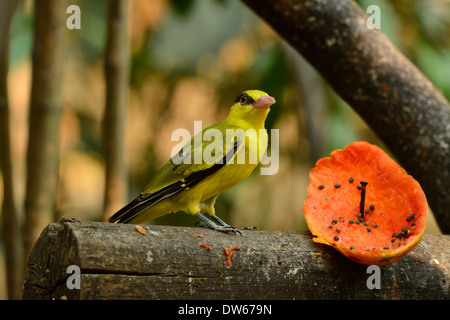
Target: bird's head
column 252, row 105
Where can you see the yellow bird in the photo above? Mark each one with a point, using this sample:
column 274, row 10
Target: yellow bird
column 214, row 160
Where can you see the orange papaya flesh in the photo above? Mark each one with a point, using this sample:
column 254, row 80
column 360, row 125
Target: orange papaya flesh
column 395, row 210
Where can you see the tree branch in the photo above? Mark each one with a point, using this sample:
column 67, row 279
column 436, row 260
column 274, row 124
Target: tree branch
column 395, row 99
column 11, row 234
column 116, row 74
column 44, row 118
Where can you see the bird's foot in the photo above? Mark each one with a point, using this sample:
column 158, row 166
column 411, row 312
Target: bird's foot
column 222, row 227
column 250, row 228
column 222, row 223
column 229, row 229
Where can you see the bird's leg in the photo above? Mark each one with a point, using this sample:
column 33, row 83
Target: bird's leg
column 220, row 221
column 223, row 227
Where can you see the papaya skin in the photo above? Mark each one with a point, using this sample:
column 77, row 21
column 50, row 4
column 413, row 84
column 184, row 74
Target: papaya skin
column 395, row 205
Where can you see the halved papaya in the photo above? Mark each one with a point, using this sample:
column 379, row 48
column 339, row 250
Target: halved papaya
column 361, row 202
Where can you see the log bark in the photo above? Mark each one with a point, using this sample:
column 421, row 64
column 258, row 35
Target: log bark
column 117, row 261
column 394, row 98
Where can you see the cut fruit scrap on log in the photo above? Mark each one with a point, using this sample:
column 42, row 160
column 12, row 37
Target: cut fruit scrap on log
column 361, row 202
column 116, row 261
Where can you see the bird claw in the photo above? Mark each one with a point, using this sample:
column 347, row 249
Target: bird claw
column 223, row 227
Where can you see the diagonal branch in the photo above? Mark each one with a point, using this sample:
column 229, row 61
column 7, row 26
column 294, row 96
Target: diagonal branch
column 394, row 98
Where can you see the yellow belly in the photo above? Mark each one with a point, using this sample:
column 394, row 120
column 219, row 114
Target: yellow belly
column 228, row 176
column 190, row 200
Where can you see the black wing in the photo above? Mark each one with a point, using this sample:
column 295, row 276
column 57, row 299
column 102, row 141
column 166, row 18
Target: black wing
column 145, row 201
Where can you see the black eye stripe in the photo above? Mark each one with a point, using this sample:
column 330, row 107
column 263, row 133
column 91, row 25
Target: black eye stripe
column 244, row 99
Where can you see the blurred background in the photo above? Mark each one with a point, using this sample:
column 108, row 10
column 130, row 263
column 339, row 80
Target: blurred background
column 189, row 59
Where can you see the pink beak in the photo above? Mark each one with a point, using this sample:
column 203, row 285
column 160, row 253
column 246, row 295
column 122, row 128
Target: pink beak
column 264, row 102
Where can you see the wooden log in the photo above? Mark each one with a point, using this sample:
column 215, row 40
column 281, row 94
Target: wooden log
column 120, row 262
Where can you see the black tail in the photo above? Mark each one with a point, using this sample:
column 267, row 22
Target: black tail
column 143, row 202
column 127, row 213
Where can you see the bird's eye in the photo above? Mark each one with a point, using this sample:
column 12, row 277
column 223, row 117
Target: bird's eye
column 244, row 99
